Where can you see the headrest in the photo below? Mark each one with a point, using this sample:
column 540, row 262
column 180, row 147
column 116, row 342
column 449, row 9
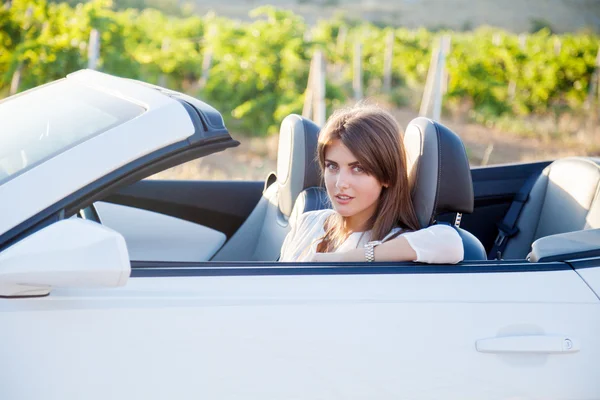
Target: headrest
column 297, row 168
column 438, row 170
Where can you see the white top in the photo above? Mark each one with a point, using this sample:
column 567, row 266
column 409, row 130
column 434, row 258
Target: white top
column 437, row 244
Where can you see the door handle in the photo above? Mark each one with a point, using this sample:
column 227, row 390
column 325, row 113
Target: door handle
column 529, row 344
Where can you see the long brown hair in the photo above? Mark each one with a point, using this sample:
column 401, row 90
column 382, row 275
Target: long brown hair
column 373, row 136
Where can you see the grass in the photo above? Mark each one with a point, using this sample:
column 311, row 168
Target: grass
column 568, row 129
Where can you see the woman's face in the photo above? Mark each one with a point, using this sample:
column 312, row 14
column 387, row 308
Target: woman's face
column 354, row 193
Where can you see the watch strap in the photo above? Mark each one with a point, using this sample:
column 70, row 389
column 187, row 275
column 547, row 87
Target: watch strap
column 370, row 250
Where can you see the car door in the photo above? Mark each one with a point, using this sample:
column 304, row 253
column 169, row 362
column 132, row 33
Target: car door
column 178, row 220
column 494, row 330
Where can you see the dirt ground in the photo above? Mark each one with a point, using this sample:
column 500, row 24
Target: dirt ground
column 256, row 157
column 509, row 147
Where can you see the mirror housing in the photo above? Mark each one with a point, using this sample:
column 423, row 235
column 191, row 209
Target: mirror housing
column 71, row 253
column 566, row 246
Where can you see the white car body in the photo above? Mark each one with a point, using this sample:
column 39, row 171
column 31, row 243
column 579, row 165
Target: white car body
column 479, row 331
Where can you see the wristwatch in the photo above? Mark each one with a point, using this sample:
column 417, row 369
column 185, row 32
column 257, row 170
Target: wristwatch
column 370, row 250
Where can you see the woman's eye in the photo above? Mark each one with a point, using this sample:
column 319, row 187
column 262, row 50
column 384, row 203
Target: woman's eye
column 358, row 168
column 331, row 167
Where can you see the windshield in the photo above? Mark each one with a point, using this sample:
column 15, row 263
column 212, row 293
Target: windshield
column 43, row 123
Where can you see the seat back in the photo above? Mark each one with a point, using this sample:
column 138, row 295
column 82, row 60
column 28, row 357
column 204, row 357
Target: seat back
column 260, row 237
column 438, row 170
column 564, row 198
column 440, row 176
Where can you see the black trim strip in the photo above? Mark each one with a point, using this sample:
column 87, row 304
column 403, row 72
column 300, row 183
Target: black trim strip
column 436, row 196
column 154, row 269
column 586, row 263
column 225, row 208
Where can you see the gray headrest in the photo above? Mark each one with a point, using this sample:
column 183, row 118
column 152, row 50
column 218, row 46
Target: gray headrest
column 297, row 168
column 438, row 170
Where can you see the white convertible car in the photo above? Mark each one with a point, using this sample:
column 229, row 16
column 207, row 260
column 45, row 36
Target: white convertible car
column 116, row 287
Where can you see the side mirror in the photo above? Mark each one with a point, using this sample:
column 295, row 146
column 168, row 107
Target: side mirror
column 72, row 253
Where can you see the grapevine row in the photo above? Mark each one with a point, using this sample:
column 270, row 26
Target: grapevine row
column 258, row 70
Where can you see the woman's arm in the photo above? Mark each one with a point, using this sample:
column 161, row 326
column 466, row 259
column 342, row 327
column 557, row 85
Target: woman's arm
column 397, row 249
column 437, row 244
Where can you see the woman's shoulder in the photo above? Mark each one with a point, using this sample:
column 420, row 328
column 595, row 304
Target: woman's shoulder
column 306, row 228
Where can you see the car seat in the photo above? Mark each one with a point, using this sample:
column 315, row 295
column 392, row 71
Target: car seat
column 564, row 198
column 260, row 237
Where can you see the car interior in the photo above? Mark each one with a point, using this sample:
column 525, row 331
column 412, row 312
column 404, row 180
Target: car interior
column 499, row 211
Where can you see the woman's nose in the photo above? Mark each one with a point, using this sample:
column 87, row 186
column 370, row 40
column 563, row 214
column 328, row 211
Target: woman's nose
column 341, row 181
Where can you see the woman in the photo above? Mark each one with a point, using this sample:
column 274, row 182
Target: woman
column 363, row 163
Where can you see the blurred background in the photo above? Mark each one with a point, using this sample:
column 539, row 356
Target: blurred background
column 517, row 80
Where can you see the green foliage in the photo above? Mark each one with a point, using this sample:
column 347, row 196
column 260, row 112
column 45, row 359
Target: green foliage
column 259, row 69
column 504, row 78
column 43, row 40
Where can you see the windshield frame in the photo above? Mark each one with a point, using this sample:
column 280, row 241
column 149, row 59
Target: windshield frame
column 83, row 104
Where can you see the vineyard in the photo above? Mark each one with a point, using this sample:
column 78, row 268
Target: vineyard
column 256, row 72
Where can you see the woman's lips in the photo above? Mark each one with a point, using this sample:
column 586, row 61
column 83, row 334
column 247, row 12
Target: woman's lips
column 343, row 199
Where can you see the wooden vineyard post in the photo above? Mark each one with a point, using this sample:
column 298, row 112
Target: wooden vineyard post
column 340, row 47
column 207, row 57
column 593, row 91
column 387, row 62
column 341, row 40
column 496, row 39
column 441, row 77
column 164, row 48
column 308, row 93
column 436, row 86
column 206, row 64
column 592, row 101
column 93, row 49
column 319, row 110
column 596, row 98
column 557, row 45
column 522, row 41
column 485, row 159
column 314, row 96
column 442, row 83
column 16, row 80
column 512, row 85
column 426, row 100
column 357, row 72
